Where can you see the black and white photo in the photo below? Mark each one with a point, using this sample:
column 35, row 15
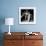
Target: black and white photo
column 27, row 15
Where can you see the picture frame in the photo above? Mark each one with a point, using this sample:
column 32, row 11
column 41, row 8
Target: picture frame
column 27, row 15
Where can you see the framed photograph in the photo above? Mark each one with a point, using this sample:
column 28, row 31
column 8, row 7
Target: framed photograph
column 27, row 15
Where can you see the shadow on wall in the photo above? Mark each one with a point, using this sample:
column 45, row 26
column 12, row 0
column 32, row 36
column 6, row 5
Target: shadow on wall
column 2, row 21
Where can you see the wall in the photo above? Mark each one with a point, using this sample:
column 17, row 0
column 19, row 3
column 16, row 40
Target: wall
column 10, row 8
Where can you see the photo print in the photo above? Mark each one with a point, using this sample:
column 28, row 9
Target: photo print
column 27, row 15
